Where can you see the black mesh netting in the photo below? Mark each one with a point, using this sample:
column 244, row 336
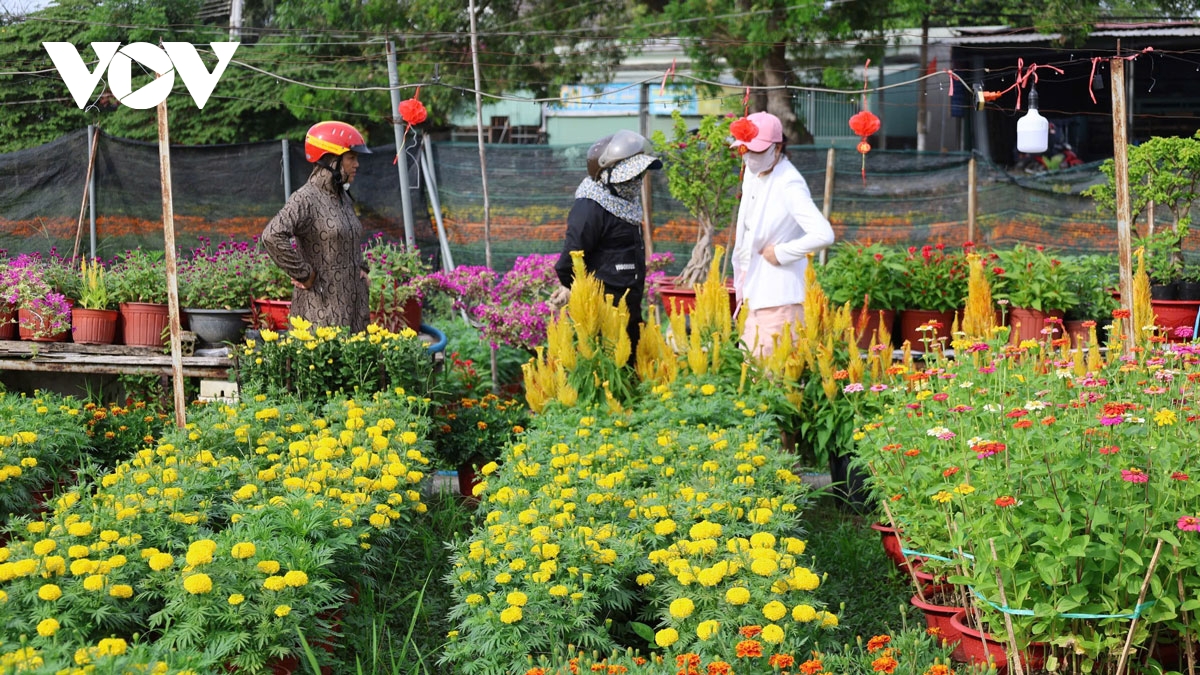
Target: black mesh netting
column 231, row 191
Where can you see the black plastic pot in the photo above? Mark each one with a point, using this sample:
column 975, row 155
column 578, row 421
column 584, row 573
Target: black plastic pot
column 1163, row 291
column 848, row 484
column 1188, row 290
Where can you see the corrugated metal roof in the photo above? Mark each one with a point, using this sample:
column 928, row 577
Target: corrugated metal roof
column 1009, row 38
column 1019, row 36
column 1181, row 31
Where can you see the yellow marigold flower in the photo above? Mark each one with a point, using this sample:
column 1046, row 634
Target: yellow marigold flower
column 762, row 540
column 558, row 591
column 828, row 620
column 759, row 516
column 274, row 583
column 666, row 637
column 94, row 582
column 764, row 567
column 282, row 611
column 197, row 584
column 47, row 627
column 54, row 564
column 121, row 591
column 79, row 529
column 738, row 595
column 36, row 527
column 707, row 629
column 268, row 566
column 645, row 579
column 49, row 592
column 44, row 546
column 295, row 578
column 772, row 634
column 3, row 597
column 664, row 527
column 681, row 608
column 511, row 614
column 707, row 389
column 774, row 610
column 161, row 561
column 517, row 598
column 503, row 578
column 111, row 647
column 243, row 550
column 78, row 551
column 804, row 613
column 474, row 599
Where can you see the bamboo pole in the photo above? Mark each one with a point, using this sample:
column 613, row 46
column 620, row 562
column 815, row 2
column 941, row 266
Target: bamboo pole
column 1141, row 598
column 87, row 183
column 1121, row 185
column 827, row 205
column 912, row 572
column 1015, row 653
column 487, row 205
column 972, row 198
column 1187, row 636
column 164, row 164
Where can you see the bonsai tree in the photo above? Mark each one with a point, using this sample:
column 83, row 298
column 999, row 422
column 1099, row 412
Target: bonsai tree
column 702, row 173
column 1164, row 171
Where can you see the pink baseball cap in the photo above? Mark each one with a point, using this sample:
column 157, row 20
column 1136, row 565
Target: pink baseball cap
column 768, row 131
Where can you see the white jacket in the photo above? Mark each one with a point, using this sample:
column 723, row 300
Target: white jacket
column 776, row 209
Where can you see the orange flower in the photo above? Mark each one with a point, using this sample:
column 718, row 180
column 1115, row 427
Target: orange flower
column 878, row 642
column 719, row 668
column 687, row 660
column 617, row 670
column 749, row 649
column 781, row 660
column 884, row 664
column 536, row 671
column 750, row 631
column 811, row 667
column 939, row 669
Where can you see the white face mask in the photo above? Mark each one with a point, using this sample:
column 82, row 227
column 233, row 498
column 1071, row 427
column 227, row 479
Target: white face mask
column 758, row 162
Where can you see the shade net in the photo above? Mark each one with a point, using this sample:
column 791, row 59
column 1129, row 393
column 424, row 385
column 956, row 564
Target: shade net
column 233, row 190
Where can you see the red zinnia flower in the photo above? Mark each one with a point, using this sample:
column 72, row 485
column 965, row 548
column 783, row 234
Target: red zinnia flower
column 1179, row 475
column 1005, row 501
column 1022, row 424
column 1019, row 412
column 945, row 474
column 1109, row 450
column 912, row 452
column 1120, row 314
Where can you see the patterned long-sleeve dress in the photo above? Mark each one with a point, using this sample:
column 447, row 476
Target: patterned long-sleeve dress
column 320, row 218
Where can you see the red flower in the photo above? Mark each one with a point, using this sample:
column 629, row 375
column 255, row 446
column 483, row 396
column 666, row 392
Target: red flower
column 1120, row 314
column 1109, row 450
column 1022, row 424
column 412, row 111
column 1005, row 501
column 1179, row 475
column 945, row 474
column 744, row 130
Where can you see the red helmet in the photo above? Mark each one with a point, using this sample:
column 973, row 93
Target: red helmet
column 332, row 137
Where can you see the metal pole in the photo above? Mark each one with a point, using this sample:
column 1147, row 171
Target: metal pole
column 431, row 188
column 827, row 206
column 1121, row 185
column 972, row 198
column 879, row 99
column 164, row 163
column 487, row 205
column 95, row 142
column 87, row 188
column 401, row 155
column 644, row 129
column 287, row 171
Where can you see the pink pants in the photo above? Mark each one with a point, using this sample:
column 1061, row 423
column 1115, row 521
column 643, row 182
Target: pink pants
column 764, row 325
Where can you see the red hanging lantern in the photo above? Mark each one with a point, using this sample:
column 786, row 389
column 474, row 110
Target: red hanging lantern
column 864, row 123
column 413, row 111
column 744, row 130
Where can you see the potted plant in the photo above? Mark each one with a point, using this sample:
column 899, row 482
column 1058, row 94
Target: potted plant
column 1189, row 282
column 702, row 174
column 392, row 270
column 1091, row 278
column 1164, row 263
column 933, row 285
column 1037, row 286
column 867, row 276
column 215, row 290
column 93, row 321
column 138, row 285
column 43, row 314
column 272, row 291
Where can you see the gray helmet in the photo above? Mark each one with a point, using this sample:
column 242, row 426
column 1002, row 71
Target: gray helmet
column 622, row 147
column 593, row 156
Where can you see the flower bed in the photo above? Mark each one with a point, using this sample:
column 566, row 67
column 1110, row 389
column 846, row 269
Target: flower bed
column 222, row 541
column 41, row 440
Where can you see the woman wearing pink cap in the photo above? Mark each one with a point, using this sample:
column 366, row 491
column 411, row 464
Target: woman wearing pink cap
column 778, row 225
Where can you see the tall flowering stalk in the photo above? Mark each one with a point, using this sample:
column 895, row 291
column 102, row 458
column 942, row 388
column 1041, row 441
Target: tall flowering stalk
column 979, row 318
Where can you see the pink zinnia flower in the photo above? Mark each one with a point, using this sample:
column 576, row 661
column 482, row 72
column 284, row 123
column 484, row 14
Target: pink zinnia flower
column 1134, row 475
column 1111, row 421
column 1109, row 450
column 878, row 387
column 852, row 388
column 1189, row 524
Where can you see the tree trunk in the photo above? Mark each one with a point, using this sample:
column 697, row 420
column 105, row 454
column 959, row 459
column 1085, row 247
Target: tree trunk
column 777, row 73
column 921, row 104
column 696, row 270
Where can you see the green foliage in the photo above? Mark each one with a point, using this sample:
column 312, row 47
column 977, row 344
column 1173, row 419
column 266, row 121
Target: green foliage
column 139, row 276
column 1091, row 280
column 93, row 292
column 1164, row 171
column 856, row 270
column 1035, row 279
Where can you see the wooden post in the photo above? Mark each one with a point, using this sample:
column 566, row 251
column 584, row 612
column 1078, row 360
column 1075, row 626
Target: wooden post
column 1140, row 600
column 827, row 206
column 1121, row 187
column 168, row 206
column 972, row 198
column 1008, row 625
column 647, row 205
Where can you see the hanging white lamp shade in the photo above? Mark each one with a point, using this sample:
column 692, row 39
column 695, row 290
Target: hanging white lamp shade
column 1033, row 130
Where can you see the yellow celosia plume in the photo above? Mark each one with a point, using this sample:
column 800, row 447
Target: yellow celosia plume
column 980, row 316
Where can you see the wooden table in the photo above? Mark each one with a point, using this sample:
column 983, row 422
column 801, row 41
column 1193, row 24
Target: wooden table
column 67, row 357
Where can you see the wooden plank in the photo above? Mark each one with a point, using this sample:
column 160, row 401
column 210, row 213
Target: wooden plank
column 18, row 347
column 39, row 366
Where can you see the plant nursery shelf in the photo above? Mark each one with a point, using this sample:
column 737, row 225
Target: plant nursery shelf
column 60, row 357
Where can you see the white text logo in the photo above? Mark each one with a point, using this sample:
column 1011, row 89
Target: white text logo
column 172, row 57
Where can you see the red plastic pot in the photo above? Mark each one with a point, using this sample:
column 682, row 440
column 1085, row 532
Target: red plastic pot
column 938, row 617
column 891, row 543
column 979, row 648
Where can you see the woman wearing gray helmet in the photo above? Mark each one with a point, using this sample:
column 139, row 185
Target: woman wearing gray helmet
column 606, row 222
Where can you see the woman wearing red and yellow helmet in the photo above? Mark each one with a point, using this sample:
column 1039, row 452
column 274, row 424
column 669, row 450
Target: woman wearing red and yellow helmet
column 317, row 239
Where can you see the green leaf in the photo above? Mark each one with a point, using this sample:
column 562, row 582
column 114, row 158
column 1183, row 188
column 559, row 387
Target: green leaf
column 643, row 631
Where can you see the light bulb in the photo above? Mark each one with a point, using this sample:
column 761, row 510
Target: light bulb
column 1033, row 130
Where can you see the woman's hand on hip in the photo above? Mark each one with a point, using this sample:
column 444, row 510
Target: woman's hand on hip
column 768, row 254
column 307, row 284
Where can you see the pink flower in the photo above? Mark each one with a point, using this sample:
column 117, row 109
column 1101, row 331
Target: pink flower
column 1189, row 524
column 1134, row 475
column 1109, row 450
column 878, row 387
column 941, row 396
column 852, row 388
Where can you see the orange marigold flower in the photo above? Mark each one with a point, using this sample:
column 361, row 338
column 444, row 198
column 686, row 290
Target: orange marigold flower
column 878, row 642
column 719, row 668
column 536, row 671
column 639, row 660
column 617, row 670
column 597, row 667
column 781, row 660
column 750, row 631
column 884, row 664
column 687, row 660
column 811, row 667
column 939, row 669
column 749, row 649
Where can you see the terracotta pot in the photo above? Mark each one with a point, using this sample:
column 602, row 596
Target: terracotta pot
column 273, row 312
column 144, row 323
column 891, row 542
column 874, row 319
column 678, row 299
column 94, row 326
column 979, row 648
column 1077, row 332
column 1172, row 314
column 1027, row 324
column 912, row 319
column 939, row 616
column 8, row 322
column 32, row 326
